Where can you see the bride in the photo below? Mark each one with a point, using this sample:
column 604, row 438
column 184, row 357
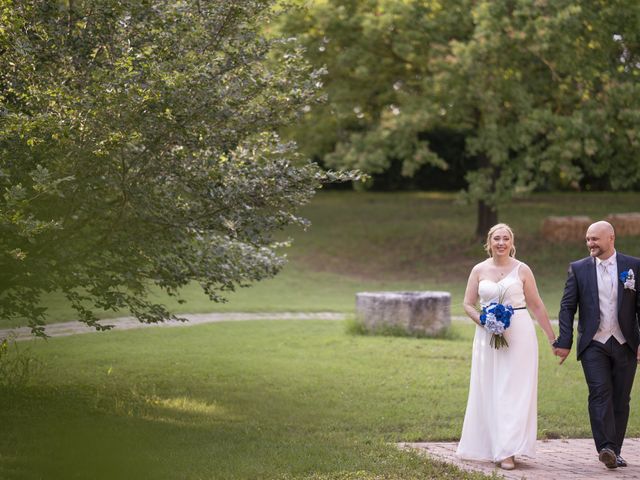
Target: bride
column 501, row 416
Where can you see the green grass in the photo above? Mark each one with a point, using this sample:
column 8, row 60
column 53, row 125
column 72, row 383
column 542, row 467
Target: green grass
column 400, row 241
column 293, row 399
column 424, row 241
column 268, row 399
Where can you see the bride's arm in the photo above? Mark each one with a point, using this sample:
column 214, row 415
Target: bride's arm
column 471, row 296
column 535, row 303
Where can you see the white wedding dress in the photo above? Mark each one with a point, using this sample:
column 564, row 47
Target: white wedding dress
column 501, row 416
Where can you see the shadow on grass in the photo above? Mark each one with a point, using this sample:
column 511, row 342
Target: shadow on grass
column 81, row 432
column 78, row 433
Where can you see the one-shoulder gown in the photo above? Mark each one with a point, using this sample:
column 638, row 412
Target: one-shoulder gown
column 501, row 416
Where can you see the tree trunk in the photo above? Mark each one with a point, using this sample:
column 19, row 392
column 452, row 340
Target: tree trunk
column 487, row 218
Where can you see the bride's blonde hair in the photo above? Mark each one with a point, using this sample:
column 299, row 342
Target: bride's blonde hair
column 492, row 230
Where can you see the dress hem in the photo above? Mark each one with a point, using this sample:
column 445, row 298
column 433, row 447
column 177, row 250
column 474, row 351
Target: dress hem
column 485, row 459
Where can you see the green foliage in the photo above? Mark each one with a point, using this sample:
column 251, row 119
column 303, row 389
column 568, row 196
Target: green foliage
column 376, row 54
column 546, row 92
column 17, row 364
column 137, row 147
column 549, row 88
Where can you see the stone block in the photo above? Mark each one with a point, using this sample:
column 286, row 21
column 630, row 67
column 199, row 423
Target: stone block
column 426, row 313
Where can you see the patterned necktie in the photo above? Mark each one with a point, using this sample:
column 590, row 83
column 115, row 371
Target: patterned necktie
column 606, row 277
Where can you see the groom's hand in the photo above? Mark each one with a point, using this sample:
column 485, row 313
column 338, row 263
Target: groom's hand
column 638, row 355
column 563, row 353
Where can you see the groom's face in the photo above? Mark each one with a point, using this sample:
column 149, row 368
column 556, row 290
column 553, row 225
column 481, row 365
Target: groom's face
column 599, row 243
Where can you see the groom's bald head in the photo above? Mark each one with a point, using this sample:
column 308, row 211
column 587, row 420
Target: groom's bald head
column 602, row 227
column 601, row 239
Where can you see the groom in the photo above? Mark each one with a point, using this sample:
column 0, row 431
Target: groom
column 604, row 291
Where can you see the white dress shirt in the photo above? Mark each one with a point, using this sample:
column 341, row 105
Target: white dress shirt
column 608, row 299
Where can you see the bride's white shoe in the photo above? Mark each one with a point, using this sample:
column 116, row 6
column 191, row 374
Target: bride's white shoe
column 508, row 463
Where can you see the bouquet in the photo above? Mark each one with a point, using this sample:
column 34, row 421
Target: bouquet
column 496, row 318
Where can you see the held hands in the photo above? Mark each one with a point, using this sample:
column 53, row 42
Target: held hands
column 563, row 353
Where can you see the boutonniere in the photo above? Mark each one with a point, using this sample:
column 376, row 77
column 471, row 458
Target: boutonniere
column 628, row 279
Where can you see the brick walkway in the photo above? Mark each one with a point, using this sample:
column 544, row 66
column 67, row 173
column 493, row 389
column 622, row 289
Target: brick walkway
column 556, row 460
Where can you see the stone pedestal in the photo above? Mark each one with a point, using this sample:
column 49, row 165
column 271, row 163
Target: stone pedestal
column 416, row 313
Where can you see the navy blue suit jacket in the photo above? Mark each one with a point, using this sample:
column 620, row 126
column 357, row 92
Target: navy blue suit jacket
column 581, row 293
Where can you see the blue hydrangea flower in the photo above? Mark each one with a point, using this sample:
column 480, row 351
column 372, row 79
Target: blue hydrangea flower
column 496, row 318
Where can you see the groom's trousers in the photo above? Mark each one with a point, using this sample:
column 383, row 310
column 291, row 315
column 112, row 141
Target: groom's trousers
column 609, row 369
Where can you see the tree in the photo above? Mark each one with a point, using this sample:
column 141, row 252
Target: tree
column 551, row 90
column 375, row 52
column 137, row 147
column 544, row 92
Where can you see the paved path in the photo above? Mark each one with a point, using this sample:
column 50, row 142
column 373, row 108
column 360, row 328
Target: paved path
column 556, row 460
column 126, row 323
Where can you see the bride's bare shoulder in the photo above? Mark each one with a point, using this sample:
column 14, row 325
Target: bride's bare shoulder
column 480, row 267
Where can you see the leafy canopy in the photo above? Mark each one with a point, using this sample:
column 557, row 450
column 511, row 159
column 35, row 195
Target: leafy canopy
column 544, row 91
column 137, row 147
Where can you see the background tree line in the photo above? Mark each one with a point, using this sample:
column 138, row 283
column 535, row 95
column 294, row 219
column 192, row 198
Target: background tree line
column 506, row 97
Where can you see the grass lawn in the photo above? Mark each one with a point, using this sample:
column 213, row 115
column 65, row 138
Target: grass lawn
column 293, row 399
column 418, row 241
column 400, row 241
column 266, row 399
